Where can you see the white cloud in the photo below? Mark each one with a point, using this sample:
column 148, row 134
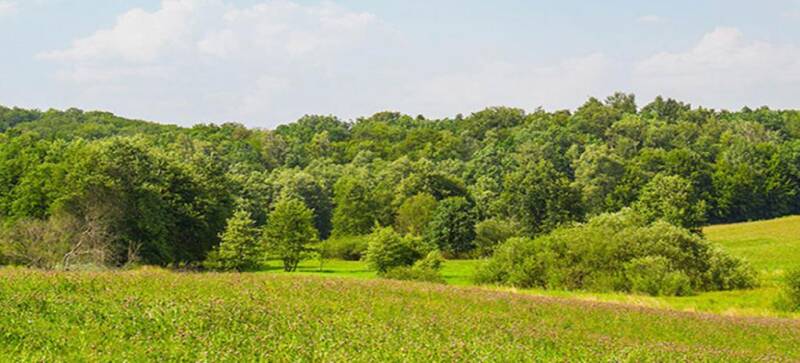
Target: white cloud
column 208, row 60
column 138, row 36
column 218, row 62
column 650, row 19
column 7, row 8
column 725, row 70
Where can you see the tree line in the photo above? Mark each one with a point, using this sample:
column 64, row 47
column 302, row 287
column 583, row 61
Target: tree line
column 87, row 186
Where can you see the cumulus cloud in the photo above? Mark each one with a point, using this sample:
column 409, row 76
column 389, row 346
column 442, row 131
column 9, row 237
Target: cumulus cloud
column 724, row 69
column 7, row 8
column 216, row 61
column 210, row 60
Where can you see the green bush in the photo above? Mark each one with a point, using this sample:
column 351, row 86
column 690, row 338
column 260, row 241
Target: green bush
column 653, row 275
column 387, row 250
column 726, row 272
column 349, row 248
column 432, row 261
column 414, row 274
column 791, row 290
column 492, row 232
column 618, row 252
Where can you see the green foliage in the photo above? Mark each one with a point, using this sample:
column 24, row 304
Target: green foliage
column 239, row 248
column 791, row 289
column 670, row 198
column 387, row 249
column 415, row 214
column 540, row 198
column 174, row 187
column 617, row 252
column 356, row 209
column 653, row 275
column 348, row 248
column 452, row 226
column 290, row 231
column 490, row 233
column 432, row 261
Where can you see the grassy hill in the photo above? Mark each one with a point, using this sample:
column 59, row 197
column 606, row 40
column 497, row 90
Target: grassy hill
column 158, row 315
column 771, row 246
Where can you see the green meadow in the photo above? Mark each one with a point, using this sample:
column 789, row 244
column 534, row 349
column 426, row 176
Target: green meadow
column 340, row 311
column 158, row 315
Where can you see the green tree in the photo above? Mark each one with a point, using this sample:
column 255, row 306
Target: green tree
column 671, row 198
column 540, row 198
column 452, row 226
column 239, row 248
column 356, row 207
column 415, row 213
column 597, row 173
column 290, row 231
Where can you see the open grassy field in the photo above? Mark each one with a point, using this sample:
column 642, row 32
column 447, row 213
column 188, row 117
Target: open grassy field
column 771, row 246
column 158, row 315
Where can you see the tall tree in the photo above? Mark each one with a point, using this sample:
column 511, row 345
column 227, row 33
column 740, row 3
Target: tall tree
column 290, row 231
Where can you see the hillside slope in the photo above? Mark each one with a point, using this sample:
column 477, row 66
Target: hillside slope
column 772, row 246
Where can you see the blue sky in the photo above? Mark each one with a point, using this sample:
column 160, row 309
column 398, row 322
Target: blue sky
column 266, row 62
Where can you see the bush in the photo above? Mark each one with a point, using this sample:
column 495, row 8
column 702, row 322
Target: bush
column 414, row 274
column 490, row 233
column 791, row 290
column 653, row 275
column 62, row 241
column 617, row 252
column 387, row 250
column 728, row 273
column 349, row 248
column 432, row 261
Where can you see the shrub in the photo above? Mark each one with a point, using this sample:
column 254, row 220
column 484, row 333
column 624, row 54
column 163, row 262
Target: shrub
column 727, row 273
column 432, row 261
column 239, row 247
column 617, row 252
column 653, row 275
column 387, row 249
column 791, row 290
column 414, row 274
column 349, row 248
column 490, row 233
column 63, row 241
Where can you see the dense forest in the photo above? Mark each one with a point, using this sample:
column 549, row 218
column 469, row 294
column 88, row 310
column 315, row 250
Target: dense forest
column 75, row 184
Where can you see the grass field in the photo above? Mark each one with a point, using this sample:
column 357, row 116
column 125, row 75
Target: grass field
column 771, row 246
column 340, row 311
column 158, row 315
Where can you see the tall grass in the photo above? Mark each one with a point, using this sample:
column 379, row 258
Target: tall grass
column 155, row 315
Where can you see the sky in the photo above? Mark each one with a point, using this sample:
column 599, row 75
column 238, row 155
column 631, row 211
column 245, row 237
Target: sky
column 268, row 62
